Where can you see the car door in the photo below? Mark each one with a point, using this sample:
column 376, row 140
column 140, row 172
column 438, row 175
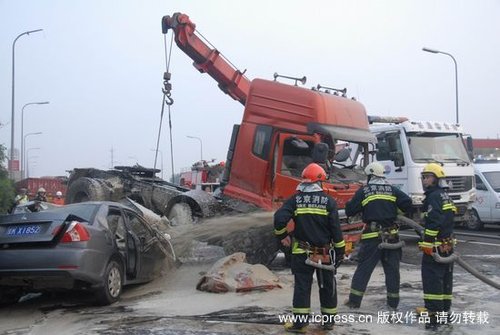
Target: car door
column 483, row 201
column 148, row 250
column 125, row 242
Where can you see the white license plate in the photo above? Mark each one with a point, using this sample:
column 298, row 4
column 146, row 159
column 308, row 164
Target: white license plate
column 23, row 230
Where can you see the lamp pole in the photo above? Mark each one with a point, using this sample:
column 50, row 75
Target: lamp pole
column 434, row 51
column 22, row 133
column 13, row 96
column 201, row 145
column 24, row 153
column 27, row 160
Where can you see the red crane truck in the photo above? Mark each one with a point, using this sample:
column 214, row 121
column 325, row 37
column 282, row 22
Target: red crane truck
column 284, row 128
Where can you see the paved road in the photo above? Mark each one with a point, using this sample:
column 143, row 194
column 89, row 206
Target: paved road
column 171, row 305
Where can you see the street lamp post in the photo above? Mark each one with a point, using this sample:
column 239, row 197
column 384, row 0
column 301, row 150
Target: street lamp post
column 24, row 153
column 161, row 157
column 22, row 133
column 434, row 51
column 201, row 145
column 27, row 160
column 13, row 96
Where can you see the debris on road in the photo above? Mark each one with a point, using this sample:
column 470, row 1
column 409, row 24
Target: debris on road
column 233, row 274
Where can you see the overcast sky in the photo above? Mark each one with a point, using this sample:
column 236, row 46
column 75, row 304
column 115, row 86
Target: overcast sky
column 100, row 64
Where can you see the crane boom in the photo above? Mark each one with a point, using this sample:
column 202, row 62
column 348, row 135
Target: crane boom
column 206, row 59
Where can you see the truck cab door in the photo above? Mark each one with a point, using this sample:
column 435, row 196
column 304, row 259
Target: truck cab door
column 390, row 154
column 292, row 153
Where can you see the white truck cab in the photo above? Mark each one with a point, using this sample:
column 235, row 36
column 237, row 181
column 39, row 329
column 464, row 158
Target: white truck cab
column 486, row 208
column 404, row 147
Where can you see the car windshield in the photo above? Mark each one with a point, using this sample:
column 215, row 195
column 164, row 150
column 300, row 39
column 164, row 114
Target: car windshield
column 493, row 179
column 437, row 147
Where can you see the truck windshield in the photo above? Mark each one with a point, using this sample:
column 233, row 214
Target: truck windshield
column 435, row 147
column 493, row 179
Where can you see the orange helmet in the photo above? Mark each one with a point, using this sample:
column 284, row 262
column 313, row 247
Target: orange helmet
column 313, row 173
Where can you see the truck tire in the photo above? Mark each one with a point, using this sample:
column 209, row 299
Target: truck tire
column 180, row 214
column 86, row 189
column 473, row 222
column 112, row 285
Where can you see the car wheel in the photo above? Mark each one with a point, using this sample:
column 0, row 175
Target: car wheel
column 474, row 222
column 111, row 288
column 180, row 214
column 86, row 189
column 10, row 295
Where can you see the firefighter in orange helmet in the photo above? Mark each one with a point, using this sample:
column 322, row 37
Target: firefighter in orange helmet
column 317, row 240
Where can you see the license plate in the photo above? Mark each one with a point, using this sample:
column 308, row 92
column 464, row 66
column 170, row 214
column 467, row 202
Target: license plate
column 23, row 230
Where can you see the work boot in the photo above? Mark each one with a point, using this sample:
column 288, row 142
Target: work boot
column 327, row 325
column 295, row 328
column 351, row 304
column 433, row 323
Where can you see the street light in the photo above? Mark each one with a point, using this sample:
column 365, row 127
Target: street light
column 24, row 153
column 13, row 95
column 201, row 145
column 434, row 51
column 27, row 160
column 22, row 132
column 161, row 157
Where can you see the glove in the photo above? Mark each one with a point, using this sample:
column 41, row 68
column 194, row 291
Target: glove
column 287, row 241
column 339, row 256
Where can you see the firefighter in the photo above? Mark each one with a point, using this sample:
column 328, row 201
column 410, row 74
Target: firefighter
column 41, row 195
column 378, row 201
column 58, row 200
column 316, row 236
column 437, row 278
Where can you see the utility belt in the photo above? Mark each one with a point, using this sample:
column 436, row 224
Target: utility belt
column 444, row 250
column 322, row 257
column 388, row 235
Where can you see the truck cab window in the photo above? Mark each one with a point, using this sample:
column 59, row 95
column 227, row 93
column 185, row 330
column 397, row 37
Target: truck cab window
column 262, row 141
column 297, row 154
column 390, row 148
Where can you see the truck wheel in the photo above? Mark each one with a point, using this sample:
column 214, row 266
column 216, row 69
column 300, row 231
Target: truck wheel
column 474, row 222
column 180, row 214
column 111, row 288
column 85, row 189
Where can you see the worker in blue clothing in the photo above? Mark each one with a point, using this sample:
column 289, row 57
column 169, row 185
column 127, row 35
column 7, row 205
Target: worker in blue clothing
column 378, row 201
column 437, row 278
column 317, row 246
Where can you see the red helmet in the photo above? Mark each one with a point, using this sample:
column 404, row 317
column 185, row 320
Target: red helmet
column 313, row 173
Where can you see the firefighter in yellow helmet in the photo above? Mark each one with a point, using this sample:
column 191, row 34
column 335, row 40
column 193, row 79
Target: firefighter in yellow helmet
column 378, row 202
column 437, row 278
column 317, row 246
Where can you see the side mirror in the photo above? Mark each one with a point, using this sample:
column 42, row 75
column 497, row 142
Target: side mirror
column 342, row 155
column 481, row 187
column 398, row 159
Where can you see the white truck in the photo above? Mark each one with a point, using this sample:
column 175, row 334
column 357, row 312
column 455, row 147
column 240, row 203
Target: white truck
column 404, row 147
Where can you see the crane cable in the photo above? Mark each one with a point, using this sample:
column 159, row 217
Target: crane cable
column 466, row 266
column 167, row 100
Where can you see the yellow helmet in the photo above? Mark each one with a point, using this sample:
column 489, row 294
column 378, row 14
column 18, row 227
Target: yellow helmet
column 435, row 169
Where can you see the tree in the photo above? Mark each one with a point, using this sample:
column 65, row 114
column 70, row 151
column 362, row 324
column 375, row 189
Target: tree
column 7, row 192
